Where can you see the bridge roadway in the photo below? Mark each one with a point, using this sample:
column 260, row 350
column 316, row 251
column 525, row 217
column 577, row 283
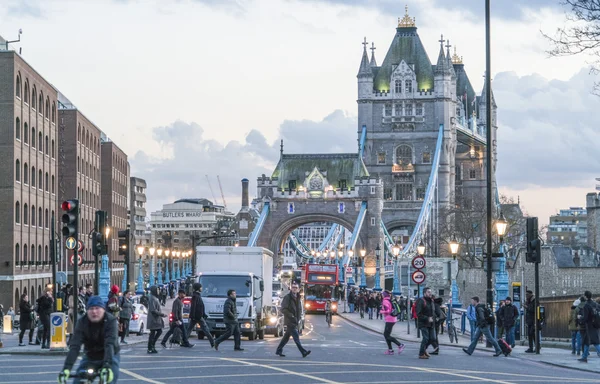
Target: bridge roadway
column 343, row 353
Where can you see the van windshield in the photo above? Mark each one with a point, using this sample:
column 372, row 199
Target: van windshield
column 218, row 285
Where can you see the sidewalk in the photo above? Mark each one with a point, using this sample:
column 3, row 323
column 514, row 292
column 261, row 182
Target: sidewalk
column 552, row 353
column 11, row 341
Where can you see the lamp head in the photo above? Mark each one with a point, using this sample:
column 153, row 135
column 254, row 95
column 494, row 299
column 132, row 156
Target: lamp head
column 152, row 250
column 396, row 249
column 421, row 248
column 159, row 252
column 167, row 252
column 501, row 225
column 363, row 252
column 350, row 253
column 454, row 245
column 140, row 249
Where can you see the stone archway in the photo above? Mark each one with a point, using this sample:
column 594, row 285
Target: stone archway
column 285, row 228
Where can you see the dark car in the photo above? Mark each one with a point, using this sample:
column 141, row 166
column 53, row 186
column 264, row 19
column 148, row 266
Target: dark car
column 275, row 325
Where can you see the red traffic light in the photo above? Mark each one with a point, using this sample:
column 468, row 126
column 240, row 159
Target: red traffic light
column 68, row 205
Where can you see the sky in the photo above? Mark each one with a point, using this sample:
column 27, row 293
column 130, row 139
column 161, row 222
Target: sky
column 190, row 88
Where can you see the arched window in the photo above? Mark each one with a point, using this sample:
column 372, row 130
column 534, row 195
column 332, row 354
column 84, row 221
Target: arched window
column 33, row 97
column 47, row 114
column 25, row 254
column 41, row 104
column 53, row 112
column 40, row 142
column 39, row 254
column 79, row 132
column 33, row 137
column 40, row 180
column 32, row 256
column 46, row 256
column 46, row 221
column 25, row 174
column 33, row 176
column 18, row 212
column 25, row 214
column 52, row 185
column 18, row 86
column 18, row 170
column 46, row 183
column 17, row 254
column 52, row 149
column 404, row 155
column 18, row 129
column 26, row 92
column 78, row 162
column 40, row 222
column 25, row 133
column 32, row 217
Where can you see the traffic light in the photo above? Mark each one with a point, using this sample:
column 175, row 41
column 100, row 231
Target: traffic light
column 98, row 236
column 97, row 244
column 124, row 242
column 534, row 254
column 70, row 218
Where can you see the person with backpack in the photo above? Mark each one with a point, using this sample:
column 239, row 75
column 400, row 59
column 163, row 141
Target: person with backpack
column 485, row 320
column 113, row 301
column 591, row 318
column 390, row 311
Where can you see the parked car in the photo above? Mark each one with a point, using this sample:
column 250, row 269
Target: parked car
column 139, row 319
column 275, row 323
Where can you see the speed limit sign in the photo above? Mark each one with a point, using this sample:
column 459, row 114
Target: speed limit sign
column 419, row 262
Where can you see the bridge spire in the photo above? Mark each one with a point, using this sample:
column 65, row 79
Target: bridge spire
column 281, row 149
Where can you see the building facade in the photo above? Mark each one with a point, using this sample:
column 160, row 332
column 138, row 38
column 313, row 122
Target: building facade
column 593, row 219
column 79, row 162
column 137, row 211
column 28, row 177
column 401, row 105
column 114, row 171
column 569, row 227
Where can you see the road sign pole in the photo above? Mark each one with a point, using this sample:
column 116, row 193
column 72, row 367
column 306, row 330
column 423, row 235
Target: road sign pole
column 53, row 261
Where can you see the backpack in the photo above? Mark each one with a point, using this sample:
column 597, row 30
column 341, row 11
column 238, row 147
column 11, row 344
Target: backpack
column 395, row 307
column 488, row 315
column 596, row 316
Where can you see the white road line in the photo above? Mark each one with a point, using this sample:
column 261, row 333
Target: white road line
column 139, row 377
column 355, row 342
column 285, row 371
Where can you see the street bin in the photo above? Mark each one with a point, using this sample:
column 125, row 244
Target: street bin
column 58, row 338
column 7, row 324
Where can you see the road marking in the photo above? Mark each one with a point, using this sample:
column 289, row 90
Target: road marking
column 285, row 371
column 140, row 377
column 355, row 342
column 461, row 375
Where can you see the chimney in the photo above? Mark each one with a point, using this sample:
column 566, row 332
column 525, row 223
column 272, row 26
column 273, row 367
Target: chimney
column 577, row 259
column 245, row 203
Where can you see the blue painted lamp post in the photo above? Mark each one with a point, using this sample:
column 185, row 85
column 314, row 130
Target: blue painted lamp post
column 501, row 276
column 454, row 250
column 177, row 273
column 396, row 286
column 363, row 278
column 159, row 252
column 167, row 276
column 350, row 281
column 151, row 278
column 341, row 271
column 377, row 286
column 140, row 279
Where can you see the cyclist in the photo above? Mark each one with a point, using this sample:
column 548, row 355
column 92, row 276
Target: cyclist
column 328, row 312
column 97, row 330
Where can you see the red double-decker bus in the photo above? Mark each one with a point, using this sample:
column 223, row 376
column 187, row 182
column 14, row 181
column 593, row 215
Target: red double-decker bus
column 320, row 285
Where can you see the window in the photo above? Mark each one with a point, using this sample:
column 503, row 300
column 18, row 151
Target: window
column 372, row 190
column 26, row 92
column 472, row 174
column 420, row 193
column 25, row 214
column 18, row 170
column 388, row 110
column 404, row 155
column 25, row 174
column 427, row 157
column 398, row 86
column 40, row 222
column 372, row 221
column 25, row 254
column 408, row 110
column 387, row 194
column 292, row 185
column 18, row 87
column 52, row 149
column 52, row 185
column 40, row 142
column 33, row 176
column 343, row 184
column 53, row 112
column 408, row 86
column 46, row 219
column 440, row 292
column 40, row 180
column 18, row 129
column 404, row 192
column 341, row 207
column 419, row 109
column 41, row 104
column 33, row 137
column 46, row 183
column 290, row 208
column 33, row 97
column 46, row 146
column 47, row 114
column 17, row 254
column 33, row 215
column 18, row 212
column 25, row 133
column 381, row 158
column 398, row 109
column 46, row 256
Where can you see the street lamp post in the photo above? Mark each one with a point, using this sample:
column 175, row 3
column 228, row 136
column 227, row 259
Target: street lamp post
column 159, row 252
column 140, row 279
column 488, row 131
column 151, row 279
column 455, row 298
column 501, row 275
column 178, row 270
column 396, row 286
column 341, row 266
column 363, row 279
column 167, row 276
column 377, row 286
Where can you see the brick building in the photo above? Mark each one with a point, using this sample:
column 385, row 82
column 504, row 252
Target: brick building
column 114, row 171
column 79, row 162
column 28, row 137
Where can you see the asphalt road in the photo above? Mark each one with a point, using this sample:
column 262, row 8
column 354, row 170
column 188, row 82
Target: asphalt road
column 343, row 353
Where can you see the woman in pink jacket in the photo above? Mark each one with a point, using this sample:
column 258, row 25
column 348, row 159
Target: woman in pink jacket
column 390, row 321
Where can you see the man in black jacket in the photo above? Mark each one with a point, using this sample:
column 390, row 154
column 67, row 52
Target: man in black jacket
column 292, row 311
column 230, row 317
column 426, row 322
column 509, row 314
column 177, row 311
column 198, row 314
column 97, row 331
column 44, row 309
column 482, row 327
column 529, row 306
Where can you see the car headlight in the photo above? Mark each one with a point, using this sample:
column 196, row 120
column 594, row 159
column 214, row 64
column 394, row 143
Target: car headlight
column 247, row 325
column 333, row 306
column 273, row 320
column 307, row 305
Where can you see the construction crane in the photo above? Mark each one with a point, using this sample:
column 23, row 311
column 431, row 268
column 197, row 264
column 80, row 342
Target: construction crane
column 211, row 190
column 222, row 194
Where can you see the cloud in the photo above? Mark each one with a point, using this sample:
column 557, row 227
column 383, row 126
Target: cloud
column 189, row 157
column 548, row 132
column 24, row 8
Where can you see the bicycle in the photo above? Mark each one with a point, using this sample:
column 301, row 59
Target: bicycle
column 87, row 376
column 328, row 318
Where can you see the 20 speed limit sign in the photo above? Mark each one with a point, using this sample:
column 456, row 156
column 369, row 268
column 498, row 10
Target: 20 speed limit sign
column 418, row 277
column 419, row 262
